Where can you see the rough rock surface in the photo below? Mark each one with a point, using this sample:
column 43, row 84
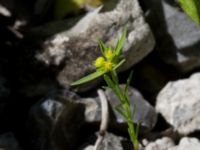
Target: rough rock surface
column 145, row 114
column 161, row 144
column 168, row 144
column 177, row 34
column 111, row 142
column 74, row 50
column 179, row 103
column 187, row 143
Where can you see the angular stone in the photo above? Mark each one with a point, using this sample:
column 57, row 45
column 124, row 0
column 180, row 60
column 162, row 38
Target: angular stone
column 145, row 114
column 164, row 143
column 179, row 103
column 177, row 34
column 72, row 52
column 187, row 143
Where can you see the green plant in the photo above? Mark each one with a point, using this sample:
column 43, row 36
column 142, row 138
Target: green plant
column 192, row 8
column 106, row 66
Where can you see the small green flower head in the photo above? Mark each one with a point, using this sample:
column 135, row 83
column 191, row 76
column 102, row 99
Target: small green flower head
column 105, row 64
column 99, row 62
column 109, row 54
column 108, row 66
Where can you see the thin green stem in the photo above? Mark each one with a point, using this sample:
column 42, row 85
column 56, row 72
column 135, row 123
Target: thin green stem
column 125, row 109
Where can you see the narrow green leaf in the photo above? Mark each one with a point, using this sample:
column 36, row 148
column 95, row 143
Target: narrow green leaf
column 102, row 46
column 192, row 8
column 114, row 76
column 129, row 80
column 132, row 136
column 134, row 110
column 88, row 78
column 120, row 112
column 111, row 84
column 127, row 110
column 109, row 81
column 127, row 85
column 119, row 64
column 137, row 129
column 119, row 93
column 120, row 43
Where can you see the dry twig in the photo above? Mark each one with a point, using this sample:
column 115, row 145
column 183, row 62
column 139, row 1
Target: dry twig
column 104, row 119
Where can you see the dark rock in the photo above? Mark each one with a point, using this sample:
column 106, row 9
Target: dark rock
column 56, row 122
column 4, row 91
column 8, row 142
column 177, row 35
column 150, row 78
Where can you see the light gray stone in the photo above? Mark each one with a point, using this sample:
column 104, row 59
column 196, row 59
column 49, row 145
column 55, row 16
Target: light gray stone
column 161, row 144
column 145, row 114
column 110, row 142
column 179, row 103
column 187, row 143
column 4, row 11
column 166, row 143
column 77, row 48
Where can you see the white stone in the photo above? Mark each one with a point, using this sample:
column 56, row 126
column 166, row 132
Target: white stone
column 179, row 103
column 161, row 144
column 187, row 144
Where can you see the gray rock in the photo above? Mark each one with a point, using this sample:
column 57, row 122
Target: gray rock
column 164, row 143
column 145, row 114
column 187, row 143
column 57, row 121
column 110, row 142
column 179, row 103
column 74, row 50
column 177, row 34
column 8, row 142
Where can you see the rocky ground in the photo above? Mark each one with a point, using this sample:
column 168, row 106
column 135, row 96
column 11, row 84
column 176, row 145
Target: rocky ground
column 41, row 56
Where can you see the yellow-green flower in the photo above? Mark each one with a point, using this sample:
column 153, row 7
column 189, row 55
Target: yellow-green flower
column 108, row 66
column 99, row 62
column 107, row 63
column 109, row 54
